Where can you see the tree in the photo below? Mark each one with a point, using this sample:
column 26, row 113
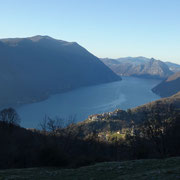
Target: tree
column 56, row 124
column 10, row 116
column 159, row 129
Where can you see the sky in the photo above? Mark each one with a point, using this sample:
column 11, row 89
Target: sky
column 106, row 28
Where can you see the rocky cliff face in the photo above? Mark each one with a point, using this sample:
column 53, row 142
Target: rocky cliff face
column 33, row 68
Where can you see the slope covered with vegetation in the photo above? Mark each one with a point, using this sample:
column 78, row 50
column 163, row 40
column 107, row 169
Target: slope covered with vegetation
column 121, row 119
column 148, row 131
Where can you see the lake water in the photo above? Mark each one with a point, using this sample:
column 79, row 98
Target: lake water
column 128, row 93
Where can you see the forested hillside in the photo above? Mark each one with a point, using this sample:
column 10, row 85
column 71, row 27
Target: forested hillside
column 148, row 131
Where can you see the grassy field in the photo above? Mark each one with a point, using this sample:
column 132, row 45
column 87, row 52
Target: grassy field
column 166, row 169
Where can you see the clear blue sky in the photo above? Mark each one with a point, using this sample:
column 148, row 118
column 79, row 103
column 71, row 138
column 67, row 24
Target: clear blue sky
column 107, row 28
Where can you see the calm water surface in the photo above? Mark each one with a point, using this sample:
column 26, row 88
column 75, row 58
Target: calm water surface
column 128, row 93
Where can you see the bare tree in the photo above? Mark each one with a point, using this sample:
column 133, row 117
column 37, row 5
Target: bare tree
column 56, row 124
column 10, row 116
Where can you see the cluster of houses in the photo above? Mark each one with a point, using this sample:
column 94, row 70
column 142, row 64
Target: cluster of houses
column 107, row 135
column 105, row 115
column 102, row 116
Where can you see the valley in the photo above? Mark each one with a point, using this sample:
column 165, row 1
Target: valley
column 90, row 90
column 125, row 94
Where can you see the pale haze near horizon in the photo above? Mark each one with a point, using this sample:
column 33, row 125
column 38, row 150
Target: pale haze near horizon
column 112, row 29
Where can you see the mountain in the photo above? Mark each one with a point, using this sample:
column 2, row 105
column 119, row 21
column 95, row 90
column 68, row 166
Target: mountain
column 169, row 86
column 33, row 68
column 138, row 66
column 134, row 60
column 173, row 67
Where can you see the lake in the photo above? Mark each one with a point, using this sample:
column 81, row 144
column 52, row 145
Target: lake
column 128, row 93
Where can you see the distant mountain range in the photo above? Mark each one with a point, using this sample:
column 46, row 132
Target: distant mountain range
column 141, row 67
column 169, row 86
column 33, row 68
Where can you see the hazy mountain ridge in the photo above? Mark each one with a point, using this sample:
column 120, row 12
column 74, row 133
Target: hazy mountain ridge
column 140, row 67
column 169, row 86
column 134, row 60
column 33, row 68
column 173, row 67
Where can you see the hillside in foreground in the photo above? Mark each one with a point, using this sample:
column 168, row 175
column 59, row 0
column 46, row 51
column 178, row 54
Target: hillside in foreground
column 164, row 169
column 147, row 132
column 120, row 119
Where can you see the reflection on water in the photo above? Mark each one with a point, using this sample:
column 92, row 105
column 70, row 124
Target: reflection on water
column 83, row 102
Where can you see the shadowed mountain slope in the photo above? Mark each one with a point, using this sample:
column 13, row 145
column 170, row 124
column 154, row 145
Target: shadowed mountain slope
column 173, row 67
column 169, row 86
column 33, row 68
